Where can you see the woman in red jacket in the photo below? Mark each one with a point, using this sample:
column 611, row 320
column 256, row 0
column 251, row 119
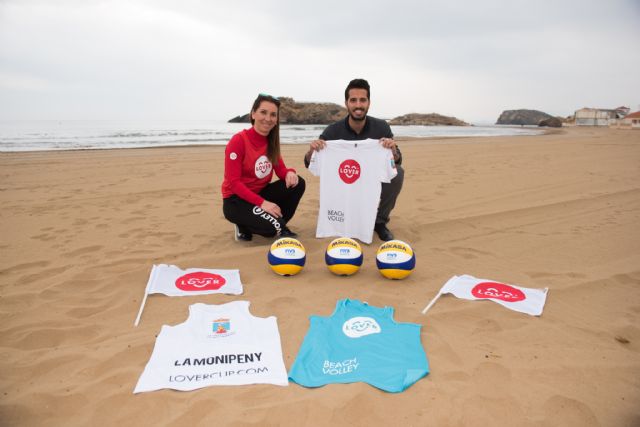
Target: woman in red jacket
column 253, row 203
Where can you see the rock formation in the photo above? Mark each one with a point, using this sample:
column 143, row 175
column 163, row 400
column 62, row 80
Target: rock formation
column 240, row 119
column 553, row 122
column 522, row 117
column 322, row 113
column 303, row 113
column 432, row 119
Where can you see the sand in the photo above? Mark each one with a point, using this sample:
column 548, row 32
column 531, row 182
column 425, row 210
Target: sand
column 81, row 230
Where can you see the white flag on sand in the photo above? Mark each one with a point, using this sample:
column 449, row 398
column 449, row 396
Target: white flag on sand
column 175, row 282
column 171, row 280
column 517, row 298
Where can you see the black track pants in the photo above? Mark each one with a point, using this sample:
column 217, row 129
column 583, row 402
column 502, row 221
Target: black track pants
column 251, row 218
column 388, row 196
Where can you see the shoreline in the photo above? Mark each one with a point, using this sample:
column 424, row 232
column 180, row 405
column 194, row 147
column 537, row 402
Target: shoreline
column 402, row 138
column 89, row 137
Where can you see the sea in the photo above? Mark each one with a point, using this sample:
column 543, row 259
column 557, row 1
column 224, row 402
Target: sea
column 45, row 135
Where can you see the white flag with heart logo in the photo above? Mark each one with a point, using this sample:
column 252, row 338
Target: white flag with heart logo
column 173, row 281
column 517, row 298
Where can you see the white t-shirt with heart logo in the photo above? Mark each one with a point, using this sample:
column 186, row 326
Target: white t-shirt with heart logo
column 351, row 176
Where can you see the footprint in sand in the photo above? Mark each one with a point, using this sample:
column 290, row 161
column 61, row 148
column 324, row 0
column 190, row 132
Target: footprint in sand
column 488, row 410
column 468, row 253
column 282, row 302
column 544, row 275
column 134, row 218
column 39, row 337
column 570, row 411
column 487, row 325
column 26, row 266
column 188, row 214
column 83, row 251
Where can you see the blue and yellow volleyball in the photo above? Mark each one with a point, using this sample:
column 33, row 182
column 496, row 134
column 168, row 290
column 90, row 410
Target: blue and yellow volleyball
column 287, row 256
column 343, row 256
column 395, row 259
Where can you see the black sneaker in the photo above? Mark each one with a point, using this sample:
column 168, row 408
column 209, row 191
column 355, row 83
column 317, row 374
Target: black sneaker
column 285, row 232
column 241, row 235
column 383, row 232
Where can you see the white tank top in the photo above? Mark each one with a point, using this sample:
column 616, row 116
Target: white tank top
column 217, row 345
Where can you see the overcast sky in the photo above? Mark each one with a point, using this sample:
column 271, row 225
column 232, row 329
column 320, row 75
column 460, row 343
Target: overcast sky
column 208, row 59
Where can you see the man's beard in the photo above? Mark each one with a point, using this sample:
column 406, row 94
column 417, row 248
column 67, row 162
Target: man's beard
column 359, row 119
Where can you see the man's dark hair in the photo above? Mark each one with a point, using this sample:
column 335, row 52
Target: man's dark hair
column 357, row 84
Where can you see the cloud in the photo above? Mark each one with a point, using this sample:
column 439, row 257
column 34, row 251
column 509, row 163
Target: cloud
column 208, row 60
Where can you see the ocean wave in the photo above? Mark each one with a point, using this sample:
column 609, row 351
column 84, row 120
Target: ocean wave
column 74, row 135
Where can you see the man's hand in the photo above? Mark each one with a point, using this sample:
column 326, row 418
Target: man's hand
column 316, row 145
column 391, row 144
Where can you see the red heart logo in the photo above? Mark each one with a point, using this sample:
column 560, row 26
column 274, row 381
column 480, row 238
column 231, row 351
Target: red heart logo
column 498, row 291
column 200, row 281
column 349, row 171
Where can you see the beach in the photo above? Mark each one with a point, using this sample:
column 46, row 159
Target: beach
column 82, row 229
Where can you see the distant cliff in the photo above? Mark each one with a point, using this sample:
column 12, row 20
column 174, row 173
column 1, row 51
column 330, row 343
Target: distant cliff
column 432, row 119
column 303, row 113
column 522, row 117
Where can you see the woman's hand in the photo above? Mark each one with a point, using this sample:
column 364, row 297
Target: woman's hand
column 271, row 208
column 291, row 179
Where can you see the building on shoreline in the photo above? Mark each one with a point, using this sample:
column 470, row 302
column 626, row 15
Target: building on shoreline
column 630, row 121
column 599, row 116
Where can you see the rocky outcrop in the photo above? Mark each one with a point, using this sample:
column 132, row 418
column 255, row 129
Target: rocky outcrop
column 553, row 122
column 432, row 119
column 240, row 119
column 322, row 113
column 303, row 113
column 522, row 117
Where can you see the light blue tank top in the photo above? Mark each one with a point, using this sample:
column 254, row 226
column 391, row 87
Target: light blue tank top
column 359, row 342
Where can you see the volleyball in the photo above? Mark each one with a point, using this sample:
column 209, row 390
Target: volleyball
column 287, row 256
column 343, row 256
column 395, row 259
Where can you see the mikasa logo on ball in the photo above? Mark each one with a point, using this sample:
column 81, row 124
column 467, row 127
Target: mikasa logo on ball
column 286, row 256
column 357, row 327
column 263, row 167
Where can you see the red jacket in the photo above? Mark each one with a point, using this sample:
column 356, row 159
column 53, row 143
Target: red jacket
column 247, row 170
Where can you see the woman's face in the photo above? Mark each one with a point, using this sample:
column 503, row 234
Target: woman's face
column 265, row 117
